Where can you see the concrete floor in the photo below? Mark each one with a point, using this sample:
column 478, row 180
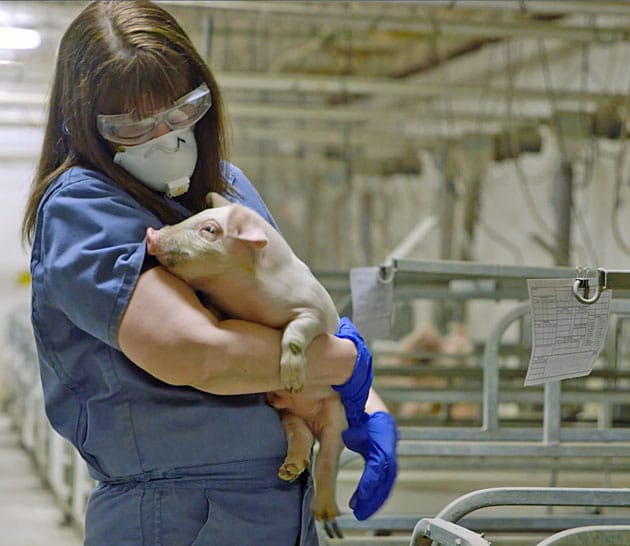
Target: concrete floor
column 28, row 513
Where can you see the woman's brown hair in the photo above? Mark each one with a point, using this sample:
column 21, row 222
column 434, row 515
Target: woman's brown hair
column 119, row 56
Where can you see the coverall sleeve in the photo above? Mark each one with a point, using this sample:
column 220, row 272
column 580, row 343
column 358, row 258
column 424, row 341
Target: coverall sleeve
column 91, row 244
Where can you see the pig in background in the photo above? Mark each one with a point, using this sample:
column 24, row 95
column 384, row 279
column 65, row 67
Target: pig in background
column 248, row 271
column 425, row 346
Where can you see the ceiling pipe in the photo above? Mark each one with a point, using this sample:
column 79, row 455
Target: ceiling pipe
column 375, row 19
column 22, row 113
column 371, row 86
column 366, row 11
column 237, row 81
column 368, row 114
column 542, row 7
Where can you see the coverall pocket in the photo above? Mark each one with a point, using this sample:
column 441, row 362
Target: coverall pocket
column 179, row 513
column 265, row 517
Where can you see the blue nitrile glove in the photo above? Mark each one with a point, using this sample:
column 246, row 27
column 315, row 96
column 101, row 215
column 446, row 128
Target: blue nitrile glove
column 354, row 392
column 374, row 436
column 375, row 441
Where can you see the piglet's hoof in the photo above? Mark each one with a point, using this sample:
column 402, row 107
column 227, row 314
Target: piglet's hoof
column 325, row 512
column 289, row 471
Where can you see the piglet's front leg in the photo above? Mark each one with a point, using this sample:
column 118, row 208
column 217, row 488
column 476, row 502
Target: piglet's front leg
column 295, row 339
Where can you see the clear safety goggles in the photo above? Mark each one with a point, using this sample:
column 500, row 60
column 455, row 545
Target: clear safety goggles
column 129, row 130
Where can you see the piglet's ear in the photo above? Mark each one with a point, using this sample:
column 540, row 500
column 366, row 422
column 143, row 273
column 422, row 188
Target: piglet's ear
column 245, row 225
column 214, row 199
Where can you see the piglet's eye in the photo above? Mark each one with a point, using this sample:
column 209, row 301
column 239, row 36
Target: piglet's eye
column 212, row 228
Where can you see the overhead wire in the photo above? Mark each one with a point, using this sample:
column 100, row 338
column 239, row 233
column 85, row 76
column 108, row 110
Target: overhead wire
column 591, row 146
column 555, row 114
column 493, row 234
column 447, row 183
column 562, row 146
column 530, row 202
column 620, row 164
column 589, row 175
column 449, row 114
column 484, row 90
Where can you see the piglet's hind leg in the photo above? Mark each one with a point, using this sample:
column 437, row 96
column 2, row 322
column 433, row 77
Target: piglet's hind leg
column 299, row 443
column 332, row 423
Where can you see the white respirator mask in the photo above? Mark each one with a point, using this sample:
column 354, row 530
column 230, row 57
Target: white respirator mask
column 163, row 164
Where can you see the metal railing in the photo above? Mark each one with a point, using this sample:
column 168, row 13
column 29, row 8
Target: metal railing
column 444, row 528
column 58, row 463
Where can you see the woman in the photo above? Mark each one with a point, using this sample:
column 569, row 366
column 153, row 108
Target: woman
column 161, row 398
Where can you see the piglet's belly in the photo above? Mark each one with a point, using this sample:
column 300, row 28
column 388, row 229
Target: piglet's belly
column 318, row 406
column 306, row 404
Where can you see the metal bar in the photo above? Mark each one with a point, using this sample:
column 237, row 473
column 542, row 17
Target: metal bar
column 511, row 434
column 562, row 188
column 606, row 279
column 436, row 279
column 329, row 137
column 461, row 269
column 358, row 85
column 596, row 7
column 367, row 541
column 591, row 466
column 367, row 19
column 593, row 535
column 376, row 113
column 345, row 85
column 487, row 448
column 490, row 416
column 534, row 496
column 551, row 414
column 487, row 523
column 505, row 395
column 445, row 532
column 615, row 279
column 473, row 373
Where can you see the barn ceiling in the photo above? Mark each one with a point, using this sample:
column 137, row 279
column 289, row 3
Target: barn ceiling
column 382, row 79
column 325, row 97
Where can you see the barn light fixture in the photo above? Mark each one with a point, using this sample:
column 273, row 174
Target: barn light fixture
column 19, row 38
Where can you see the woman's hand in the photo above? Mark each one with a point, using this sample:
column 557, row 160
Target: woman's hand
column 354, row 392
column 373, row 436
column 375, row 440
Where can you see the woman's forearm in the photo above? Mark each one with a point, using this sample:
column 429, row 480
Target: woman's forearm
column 249, row 356
column 166, row 331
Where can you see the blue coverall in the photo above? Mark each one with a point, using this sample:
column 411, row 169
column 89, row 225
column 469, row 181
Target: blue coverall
column 175, row 466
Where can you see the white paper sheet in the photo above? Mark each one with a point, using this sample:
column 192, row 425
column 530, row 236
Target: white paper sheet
column 372, row 302
column 567, row 335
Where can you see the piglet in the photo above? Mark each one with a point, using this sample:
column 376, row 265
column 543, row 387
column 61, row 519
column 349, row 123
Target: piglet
column 248, row 271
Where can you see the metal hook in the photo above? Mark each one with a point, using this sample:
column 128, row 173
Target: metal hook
column 582, row 282
column 386, row 274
